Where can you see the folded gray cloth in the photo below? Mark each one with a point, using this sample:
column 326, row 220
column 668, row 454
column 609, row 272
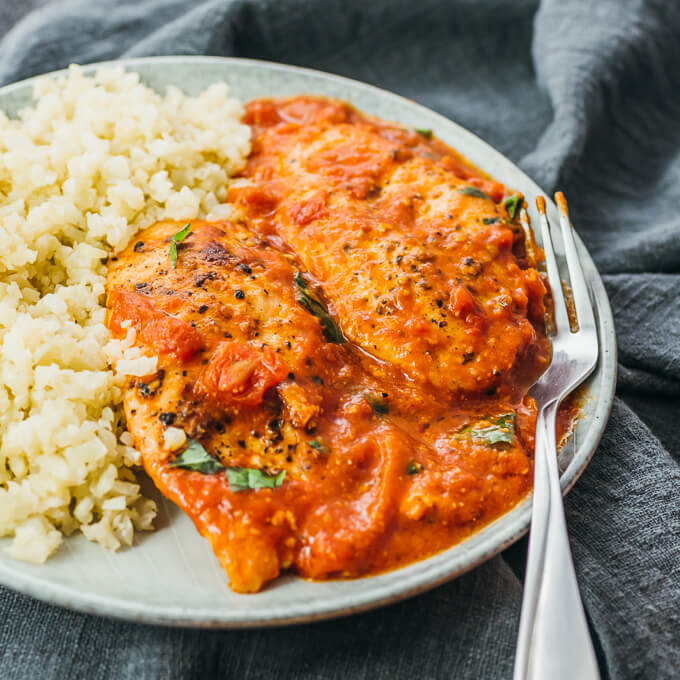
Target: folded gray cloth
column 585, row 96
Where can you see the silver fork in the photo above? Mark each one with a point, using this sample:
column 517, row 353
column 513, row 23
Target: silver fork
column 553, row 641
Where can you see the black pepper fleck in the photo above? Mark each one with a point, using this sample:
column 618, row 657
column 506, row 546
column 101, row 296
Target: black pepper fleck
column 144, row 389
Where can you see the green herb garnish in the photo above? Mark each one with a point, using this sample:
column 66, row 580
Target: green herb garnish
column 501, row 430
column 513, row 204
column 378, row 404
column 241, row 479
column 178, row 238
column 196, row 458
column 330, row 328
column 473, row 191
column 414, row 467
column 316, row 444
column 424, row 132
column 299, row 281
column 491, row 220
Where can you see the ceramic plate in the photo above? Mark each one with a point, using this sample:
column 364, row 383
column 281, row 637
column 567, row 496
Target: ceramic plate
column 170, row 576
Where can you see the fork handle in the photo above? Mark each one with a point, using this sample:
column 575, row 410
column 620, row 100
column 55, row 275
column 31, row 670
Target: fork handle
column 553, row 640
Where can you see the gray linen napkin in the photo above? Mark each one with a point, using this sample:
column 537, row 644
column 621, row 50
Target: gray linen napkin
column 585, row 96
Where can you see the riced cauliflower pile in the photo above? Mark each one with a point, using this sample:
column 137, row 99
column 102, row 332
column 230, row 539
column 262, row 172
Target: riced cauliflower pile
column 95, row 159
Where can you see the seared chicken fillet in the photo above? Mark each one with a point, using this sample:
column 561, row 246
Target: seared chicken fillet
column 352, row 468
column 417, row 263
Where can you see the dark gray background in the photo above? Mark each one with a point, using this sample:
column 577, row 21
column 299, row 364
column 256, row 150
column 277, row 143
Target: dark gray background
column 585, row 96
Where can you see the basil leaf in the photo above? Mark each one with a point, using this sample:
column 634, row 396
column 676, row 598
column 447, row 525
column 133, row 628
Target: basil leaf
column 424, row 132
column 182, row 233
column 414, row 467
column 316, row 444
column 330, row 328
column 173, row 254
column 378, row 404
column 195, row 457
column 501, row 430
column 241, row 479
column 178, row 238
column 513, row 204
column 473, row 191
column 299, row 281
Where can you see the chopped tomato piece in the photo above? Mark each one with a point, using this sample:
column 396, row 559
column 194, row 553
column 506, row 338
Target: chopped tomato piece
column 163, row 333
column 239, row 374
column 303, row 212
column 262, row 113
column 462, row 303
column 261, row 199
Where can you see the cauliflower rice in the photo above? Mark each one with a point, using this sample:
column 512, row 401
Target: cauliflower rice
column 92, row 162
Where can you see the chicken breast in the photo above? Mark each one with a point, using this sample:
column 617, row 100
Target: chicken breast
column 418, row 262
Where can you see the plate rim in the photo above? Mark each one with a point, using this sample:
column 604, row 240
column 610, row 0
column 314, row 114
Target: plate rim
column 420, row 581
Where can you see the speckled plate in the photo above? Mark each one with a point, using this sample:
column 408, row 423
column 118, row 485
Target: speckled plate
column 170, row 576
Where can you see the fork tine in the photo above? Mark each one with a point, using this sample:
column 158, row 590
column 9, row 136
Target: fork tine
column 579, row 288
column 529, row 238
column 560, row 311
